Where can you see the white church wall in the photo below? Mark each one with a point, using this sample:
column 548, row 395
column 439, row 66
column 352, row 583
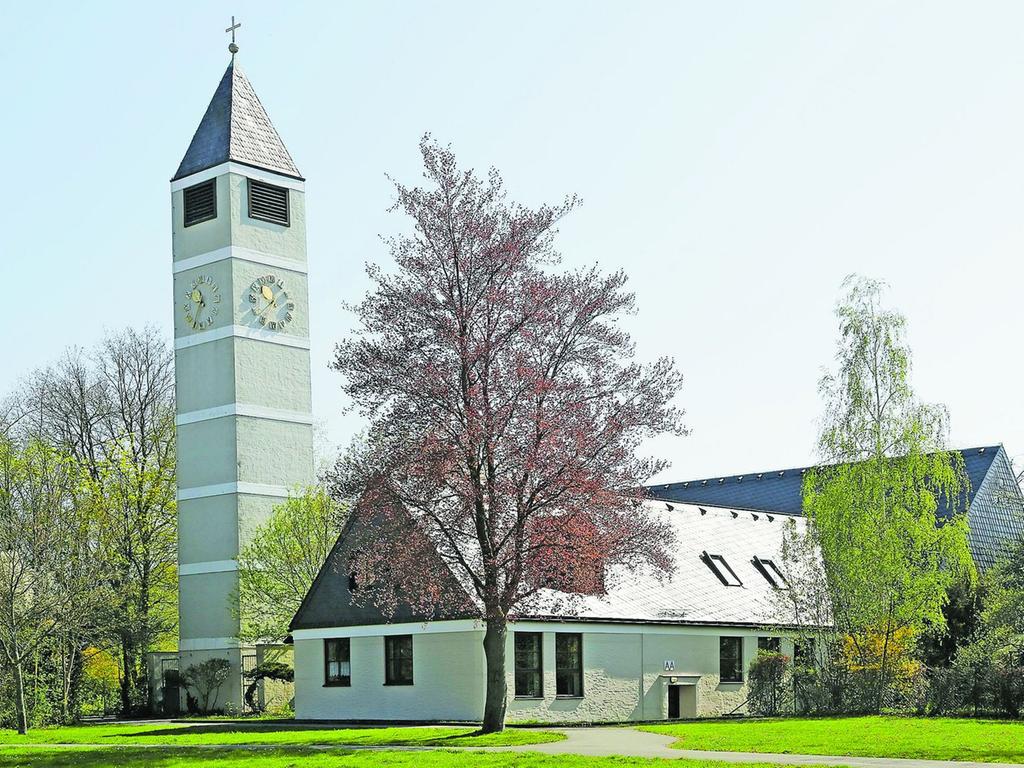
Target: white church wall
column 624, row 666
column 624, row 673
column 447, row 678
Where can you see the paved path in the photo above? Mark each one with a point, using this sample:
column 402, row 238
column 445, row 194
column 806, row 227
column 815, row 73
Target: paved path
column 633, row 743
column 602, row 742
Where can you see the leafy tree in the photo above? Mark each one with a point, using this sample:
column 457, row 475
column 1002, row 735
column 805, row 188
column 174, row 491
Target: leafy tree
column 112, row 410
column 277, row 567
column 48, row 557
column 888, row 562
column 506, row 410
column 206, row 679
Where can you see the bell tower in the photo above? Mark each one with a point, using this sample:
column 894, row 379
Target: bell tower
column 241, row 340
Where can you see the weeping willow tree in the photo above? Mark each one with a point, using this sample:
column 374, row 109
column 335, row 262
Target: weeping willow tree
column 889, row 558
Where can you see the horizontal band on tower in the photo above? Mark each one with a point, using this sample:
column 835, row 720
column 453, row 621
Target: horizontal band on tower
column 223, row 489
column 208, row 643
column 209, row 566
column 239, row 332
column 238, row 252
column 241, row 409
column 249, row 171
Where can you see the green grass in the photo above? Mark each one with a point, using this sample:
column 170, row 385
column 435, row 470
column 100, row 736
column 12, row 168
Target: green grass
column 296, row 757
column 926, row 738
column 221, row 733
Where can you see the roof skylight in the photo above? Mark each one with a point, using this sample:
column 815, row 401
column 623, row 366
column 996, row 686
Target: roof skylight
column 721, row 569
column 771, row 572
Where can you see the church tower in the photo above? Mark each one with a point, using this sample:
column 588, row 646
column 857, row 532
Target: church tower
column 241, row 340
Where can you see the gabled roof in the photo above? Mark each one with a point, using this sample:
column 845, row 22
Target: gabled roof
column 781, row 490
column 693, row 593
column 236, row 127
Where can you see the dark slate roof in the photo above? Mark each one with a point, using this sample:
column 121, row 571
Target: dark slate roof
column 781, row 490
column 236, row 127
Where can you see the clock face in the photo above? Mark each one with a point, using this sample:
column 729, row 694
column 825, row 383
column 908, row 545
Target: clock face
column 202, row 303
column 270, row 303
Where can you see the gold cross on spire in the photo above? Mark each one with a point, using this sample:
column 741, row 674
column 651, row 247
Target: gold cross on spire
column 233, row 47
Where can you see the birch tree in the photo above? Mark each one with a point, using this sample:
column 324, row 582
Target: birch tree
column 888, row 560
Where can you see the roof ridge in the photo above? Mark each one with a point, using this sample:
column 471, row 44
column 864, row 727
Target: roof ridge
column 777, row 473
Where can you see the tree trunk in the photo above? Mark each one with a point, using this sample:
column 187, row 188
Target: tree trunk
column 497, row 689
column 19, row 698
column 127, row 676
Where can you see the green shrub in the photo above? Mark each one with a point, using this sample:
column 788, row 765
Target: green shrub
column 771, row 688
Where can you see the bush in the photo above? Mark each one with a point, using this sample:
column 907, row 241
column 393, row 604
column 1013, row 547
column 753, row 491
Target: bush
column 206, row 679
column 1007, row 683
column 770, row 684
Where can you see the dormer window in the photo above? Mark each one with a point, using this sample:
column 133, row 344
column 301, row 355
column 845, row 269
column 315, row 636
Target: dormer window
column 721, row 569
column 200, row 202
column 268, row 203
column 771, row 572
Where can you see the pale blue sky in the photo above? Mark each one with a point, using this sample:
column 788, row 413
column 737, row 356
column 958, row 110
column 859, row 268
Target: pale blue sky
column 737, row 159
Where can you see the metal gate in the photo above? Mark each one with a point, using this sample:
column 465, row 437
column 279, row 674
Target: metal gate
column 248, row 665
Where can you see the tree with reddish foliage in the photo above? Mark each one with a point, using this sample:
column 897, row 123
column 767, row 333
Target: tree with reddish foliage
column 506, row 411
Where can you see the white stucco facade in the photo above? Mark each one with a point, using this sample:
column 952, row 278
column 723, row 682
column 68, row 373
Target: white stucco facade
column 624, row 673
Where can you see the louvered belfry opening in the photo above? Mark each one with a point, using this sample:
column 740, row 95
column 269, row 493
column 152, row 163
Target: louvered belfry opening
column 268, row 203
column 201, row 202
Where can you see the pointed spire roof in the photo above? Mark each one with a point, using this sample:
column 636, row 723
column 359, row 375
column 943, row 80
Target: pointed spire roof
column 236, row 127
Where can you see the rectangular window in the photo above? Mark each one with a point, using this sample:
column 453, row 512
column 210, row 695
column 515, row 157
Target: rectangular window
column 730, row 659
column 268, row 203
column 569, row 665
column 803, row 652
column 721, row 569
column 771, row 572
column 398, row 660
column 337, row 664
column 769, row 644
column 529, row 667
column 200, row 202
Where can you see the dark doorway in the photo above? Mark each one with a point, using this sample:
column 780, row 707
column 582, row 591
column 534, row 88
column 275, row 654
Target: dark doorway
column 673, row 702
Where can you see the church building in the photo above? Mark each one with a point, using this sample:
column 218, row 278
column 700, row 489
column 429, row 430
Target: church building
column 651, row 647
column 648, row 649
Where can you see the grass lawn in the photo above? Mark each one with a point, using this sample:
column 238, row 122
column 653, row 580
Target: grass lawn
column 938, row 738
column 282, row 733
column 298, row 757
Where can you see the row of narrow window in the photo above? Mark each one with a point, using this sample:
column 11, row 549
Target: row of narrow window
column 529, row 668
column 730, row 655
column 529, row 661
column 397, row 660
column 266, row 203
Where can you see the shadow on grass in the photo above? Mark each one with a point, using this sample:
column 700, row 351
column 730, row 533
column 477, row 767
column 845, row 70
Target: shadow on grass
column 88, row 757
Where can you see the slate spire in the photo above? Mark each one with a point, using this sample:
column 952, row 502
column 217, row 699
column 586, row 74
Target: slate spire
column 236, row 127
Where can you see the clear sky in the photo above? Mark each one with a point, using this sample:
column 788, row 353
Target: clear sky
column 737, row 159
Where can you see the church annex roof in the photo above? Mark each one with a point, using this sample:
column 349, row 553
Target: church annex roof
column 236, row 127
column 742, row 546
column 782, row 490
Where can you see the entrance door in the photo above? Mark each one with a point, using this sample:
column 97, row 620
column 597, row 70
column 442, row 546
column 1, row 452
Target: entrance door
column 673, row 702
